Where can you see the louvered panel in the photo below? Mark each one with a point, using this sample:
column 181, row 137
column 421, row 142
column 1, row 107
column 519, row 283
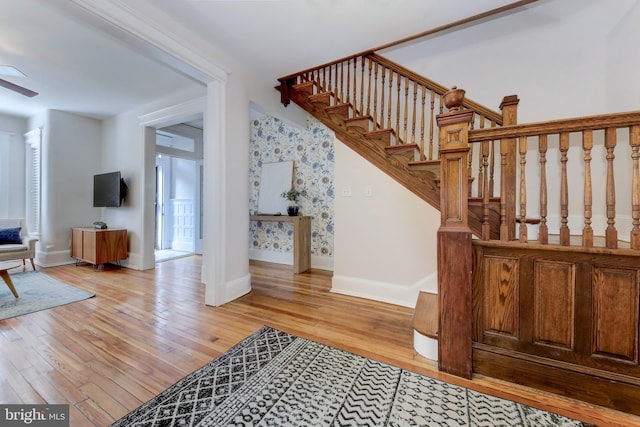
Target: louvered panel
column 32, row 139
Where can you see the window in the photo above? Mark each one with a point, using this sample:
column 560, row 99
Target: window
column 32, row 140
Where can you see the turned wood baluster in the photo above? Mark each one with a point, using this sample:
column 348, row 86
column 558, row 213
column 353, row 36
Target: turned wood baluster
column 390, row 99
column 341, row 75
column 523, row 190
column 481, row 165
column 340, row 81
column 413, row 121
column 492, row 166
column 423, row 101
column 384, row 70
column 565, row 235
column 587, row 231
column 362, row 67
column 504, row 226
column 348, row 81
column 369, row 90
column 374, row 116
column 611, row 234
column 355, row 85
column 634, row 141
column 329, row 84
column 431, row 123
column 486, row 229
column 406, row 109
column 470, row 167
column 543, row 231
column 398, row 84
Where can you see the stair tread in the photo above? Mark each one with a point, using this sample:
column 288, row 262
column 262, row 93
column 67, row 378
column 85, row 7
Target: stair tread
column 401, row 147
column 426, row 316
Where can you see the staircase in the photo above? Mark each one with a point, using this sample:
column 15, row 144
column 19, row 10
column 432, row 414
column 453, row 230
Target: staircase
column 546, row 294
column 379, row 109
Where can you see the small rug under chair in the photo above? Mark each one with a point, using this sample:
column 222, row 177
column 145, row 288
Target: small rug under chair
column 273, row 378
column 37, row 291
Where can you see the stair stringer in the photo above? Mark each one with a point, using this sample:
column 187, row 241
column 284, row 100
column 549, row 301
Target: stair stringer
column 423, row 182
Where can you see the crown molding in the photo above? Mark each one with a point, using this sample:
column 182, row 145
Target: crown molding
column 122, row 21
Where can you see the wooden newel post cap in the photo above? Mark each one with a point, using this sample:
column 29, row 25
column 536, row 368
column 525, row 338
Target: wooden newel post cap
column 454, row 98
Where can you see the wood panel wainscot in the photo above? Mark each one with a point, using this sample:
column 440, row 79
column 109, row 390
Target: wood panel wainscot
column 565, row 322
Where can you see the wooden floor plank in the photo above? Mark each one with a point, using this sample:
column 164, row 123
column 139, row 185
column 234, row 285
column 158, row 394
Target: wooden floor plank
column 144, row 330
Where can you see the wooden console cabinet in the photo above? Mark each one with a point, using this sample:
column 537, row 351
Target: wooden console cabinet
column 98, row 246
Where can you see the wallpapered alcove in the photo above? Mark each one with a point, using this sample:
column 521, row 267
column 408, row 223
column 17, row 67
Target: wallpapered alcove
column 312, row 152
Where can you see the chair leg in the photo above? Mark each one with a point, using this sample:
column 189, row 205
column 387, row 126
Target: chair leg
column 33, row 264
column 24, row 265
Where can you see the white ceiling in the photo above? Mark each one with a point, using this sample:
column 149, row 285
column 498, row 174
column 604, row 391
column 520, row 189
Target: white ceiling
column 79, row 68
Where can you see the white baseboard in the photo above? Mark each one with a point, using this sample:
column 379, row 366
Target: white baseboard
column 271, row 256
column 392, row 293
column 237, row 288
column 52, row 259
column 321, row 263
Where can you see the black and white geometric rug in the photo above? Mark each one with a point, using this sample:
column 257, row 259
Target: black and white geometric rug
column 273, row 378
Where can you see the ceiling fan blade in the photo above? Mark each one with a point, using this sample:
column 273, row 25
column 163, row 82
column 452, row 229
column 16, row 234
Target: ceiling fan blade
column 21, row 90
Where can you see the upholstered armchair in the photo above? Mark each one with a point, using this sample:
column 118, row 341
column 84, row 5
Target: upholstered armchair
column 15, row 242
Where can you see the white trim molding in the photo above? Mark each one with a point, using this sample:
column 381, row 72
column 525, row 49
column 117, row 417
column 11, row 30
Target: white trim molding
column 406, row 296
column 169, row 48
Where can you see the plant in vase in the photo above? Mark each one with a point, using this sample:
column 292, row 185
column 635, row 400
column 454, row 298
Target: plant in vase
column 292, row 197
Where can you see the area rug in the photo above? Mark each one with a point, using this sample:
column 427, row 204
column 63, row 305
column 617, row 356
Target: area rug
column 37, row 292
column 273, row 378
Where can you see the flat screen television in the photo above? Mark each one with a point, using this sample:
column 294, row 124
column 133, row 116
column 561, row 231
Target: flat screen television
column 109, row 190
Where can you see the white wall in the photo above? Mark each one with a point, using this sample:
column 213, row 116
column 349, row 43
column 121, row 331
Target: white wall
column 384, row 243
column 12, row 162
column 126, row 149
column 70, row 157
column 563, row 59
column 552, row 55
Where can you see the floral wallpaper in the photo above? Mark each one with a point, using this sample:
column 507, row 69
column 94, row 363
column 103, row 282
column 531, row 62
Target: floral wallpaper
column 312, row 153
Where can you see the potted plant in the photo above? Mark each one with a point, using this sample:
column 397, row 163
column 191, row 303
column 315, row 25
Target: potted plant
column 292, row 196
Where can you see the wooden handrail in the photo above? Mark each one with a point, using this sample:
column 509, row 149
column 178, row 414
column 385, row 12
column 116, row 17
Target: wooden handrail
column 328, row 64
column 556, row 126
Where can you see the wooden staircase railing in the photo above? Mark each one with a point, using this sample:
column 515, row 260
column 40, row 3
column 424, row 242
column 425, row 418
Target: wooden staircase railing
column 560, row 312
column 507, row 300
column 392, row 97
column 558, row 140
column 376, row 105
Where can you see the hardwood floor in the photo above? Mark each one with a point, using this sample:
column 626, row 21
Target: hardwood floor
column 145, row 330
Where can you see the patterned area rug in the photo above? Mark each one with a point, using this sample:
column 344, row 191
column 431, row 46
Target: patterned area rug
column 37, row 292
column 276, row 379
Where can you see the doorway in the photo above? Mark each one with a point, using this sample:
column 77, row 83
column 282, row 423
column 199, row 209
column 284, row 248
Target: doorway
column 178, row 196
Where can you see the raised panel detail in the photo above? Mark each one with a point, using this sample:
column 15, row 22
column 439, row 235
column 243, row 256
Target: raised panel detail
column 453, row 174
column 501, row 295
column 615, row 313
column 554, row 303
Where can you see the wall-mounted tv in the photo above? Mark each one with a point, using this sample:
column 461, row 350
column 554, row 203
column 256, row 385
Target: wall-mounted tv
column 109, row 190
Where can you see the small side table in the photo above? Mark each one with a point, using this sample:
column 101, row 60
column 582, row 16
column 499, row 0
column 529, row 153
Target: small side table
column 301, row 238
column 4, row 273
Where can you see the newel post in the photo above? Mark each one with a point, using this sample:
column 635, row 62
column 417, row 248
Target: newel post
column 454, row 246
column 509, row 160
